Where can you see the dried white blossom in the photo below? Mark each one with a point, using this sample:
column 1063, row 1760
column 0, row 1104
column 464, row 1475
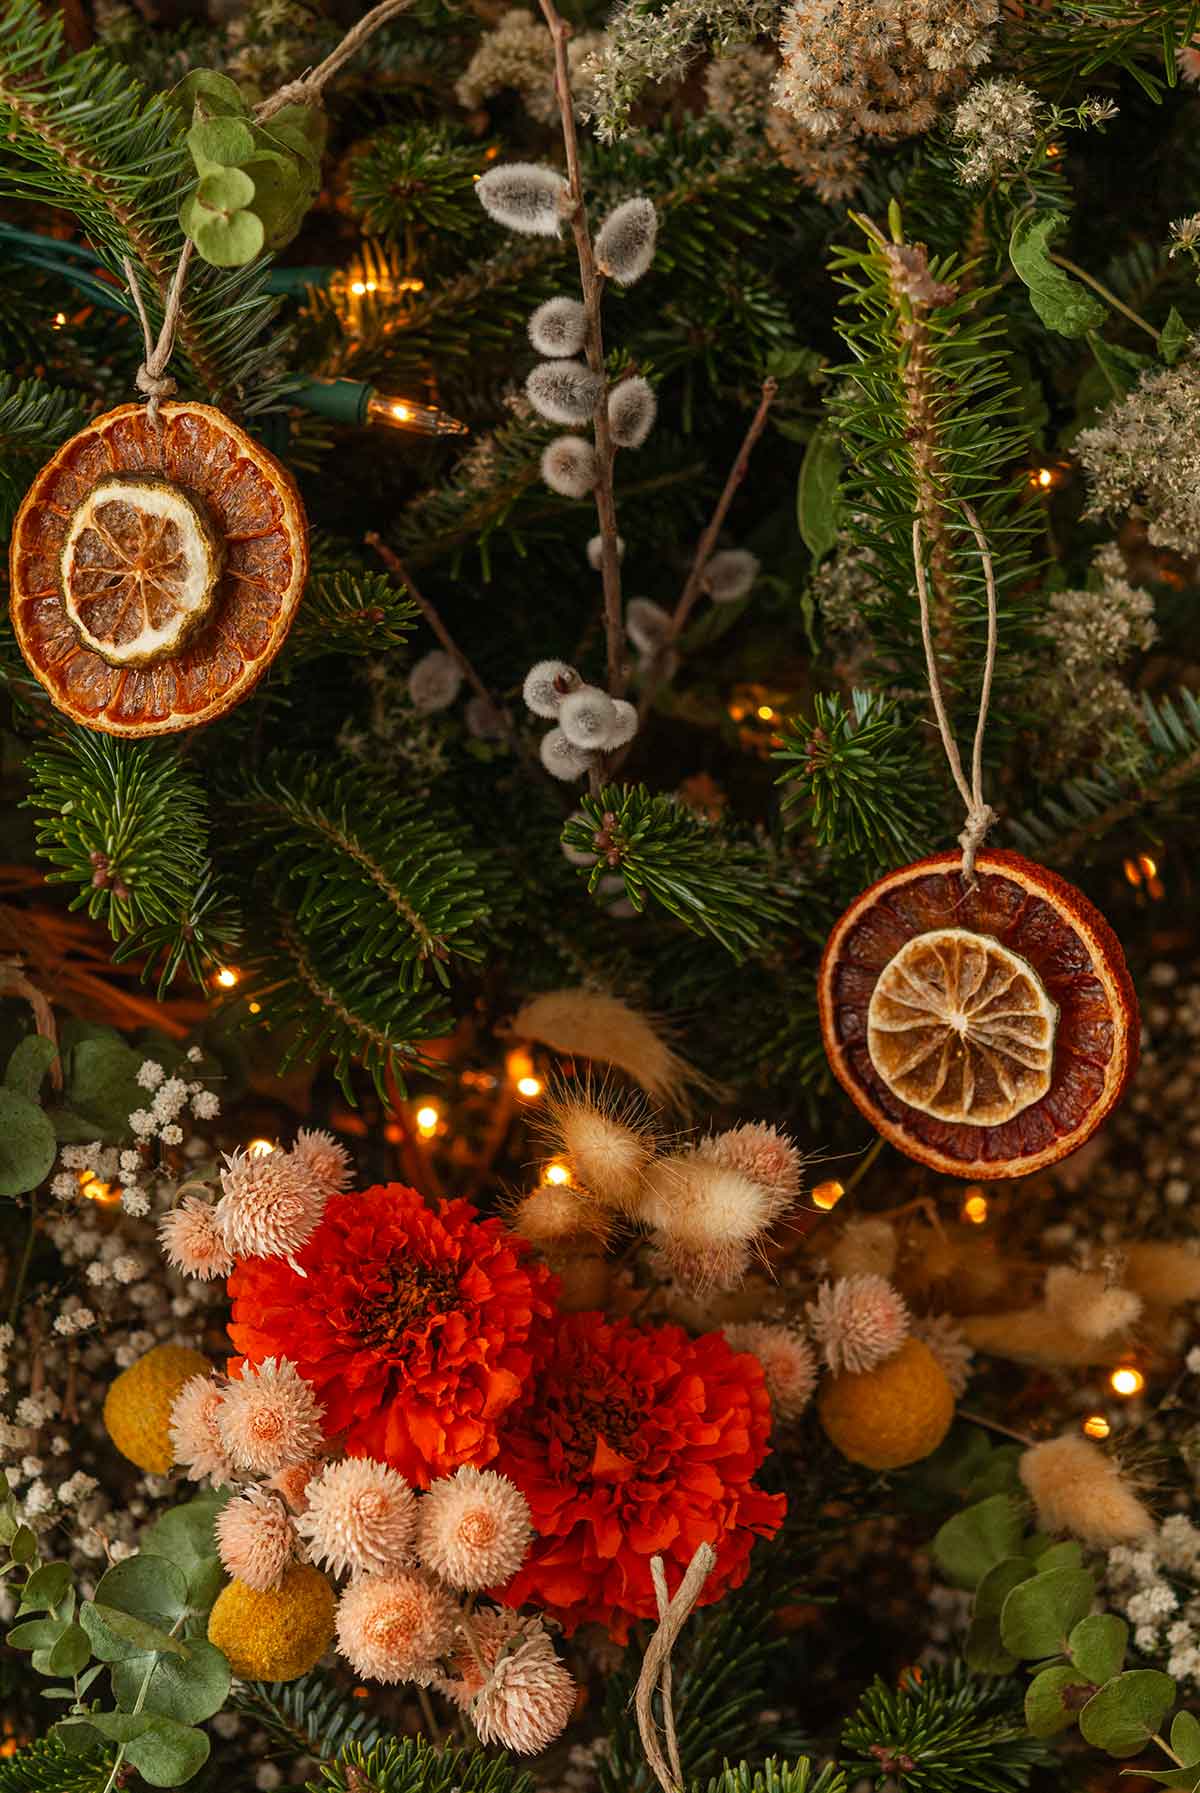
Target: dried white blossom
column 631, row 411
column 569, row 466
column 564, row 391
column 595, row 551
column 561, row 759
column 546, row 684
column 998, row 124
column 587, row 717
column 647, row 624
column 625, row 723
column 626, row 240
column 558, row 327
column 524, row 196
column 1143, row 455
column 434, row 682
column 730, row 574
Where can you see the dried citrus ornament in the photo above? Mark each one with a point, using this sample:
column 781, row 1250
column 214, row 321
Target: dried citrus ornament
column 985, row 1029
column 156, row 566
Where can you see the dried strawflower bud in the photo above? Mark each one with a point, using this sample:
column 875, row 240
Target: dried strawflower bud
column 631, row 410
column 546, row 684
column 559, row 327
column 268, row 1417
column 434, row 682
column 760, row 1152
column 524, row 196
column 561, row 758
column 595, row 551
column 255, row 1539
column 473, row 1529
column 943, row 1337
column 866, row 1248
column 789, row 1367
column 395, row 1627
column 269, row 1207
column 1083, row 1300
column 569, row 466
column 730, row 574
column 564, row 391
column 1077, row 1489
column 647, row 624
column 587, row 717
column 195, row 1438
column 360, row 1516
column 625, row 724
column 625, row 241
column 192, row 1240
column 324, row 1159
column 528, row 1698
column 859, row 1322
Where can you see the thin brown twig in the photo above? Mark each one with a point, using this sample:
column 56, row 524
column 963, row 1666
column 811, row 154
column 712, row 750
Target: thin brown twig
column 592, row 286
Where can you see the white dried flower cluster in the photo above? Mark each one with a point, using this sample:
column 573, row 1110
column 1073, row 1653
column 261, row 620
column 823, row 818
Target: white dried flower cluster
column 875, row 68
column 1157, row 1588
column 998, row 123
column 589, row 721
column 738, row 88
column 645, row 48
column 1143, row 456
column 518, row 55
column 1185, row 235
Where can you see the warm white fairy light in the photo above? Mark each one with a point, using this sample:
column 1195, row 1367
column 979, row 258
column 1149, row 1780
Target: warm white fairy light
column 427, row 1119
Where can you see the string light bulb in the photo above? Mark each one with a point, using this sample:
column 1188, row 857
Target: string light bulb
column 227, row 977
column 529, row 1087
column 102, row 1193
column 397, row 413
column 1096, row 1426
column 427, row 1119
column 1127, row 1381
column 828, row 1195
column 1142, row 872
column 975, row 1207
column 260, row 1148
column 557, row 1173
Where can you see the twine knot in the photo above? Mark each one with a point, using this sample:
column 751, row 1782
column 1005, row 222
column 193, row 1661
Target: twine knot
column 979, row 820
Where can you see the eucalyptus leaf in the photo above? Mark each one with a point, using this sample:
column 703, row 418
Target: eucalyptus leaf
column 1038, row 1616
column 309, row 123
column 229, row 243
column 975, row 1540
column 984, row 1648
column 188, row 1692
column 1173, row 338
column 28, row 1146
column 118, row 1727
column 71, row 1653
column 23, row 1547
column 185, row 1536
column 167, row 1754
column 220, row 143
column 46, row 1587
column 1059, row 1556
column 1185, row 1737
column 139, row 1632
column 1061, row 302
column 215, row 93
column 1097, row 1646
column 102, row 1086
column 998, row 1584
column 817, row 493
column 227, row 190
column 146, row 1587
column 1125, row 1714
column 281, row 197
column 36, row 1634
column 31, row 1059
column 1054, row 1699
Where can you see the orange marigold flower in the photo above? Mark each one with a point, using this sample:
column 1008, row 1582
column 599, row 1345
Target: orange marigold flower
column 417, row 1327
column 636, row 1441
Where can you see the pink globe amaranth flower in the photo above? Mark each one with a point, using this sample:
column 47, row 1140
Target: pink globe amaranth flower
column 192, row 1241
column 324, row 1159
column 787, row 1359
column 270, row 1207
column 269, row 1417
column 395, row 1627
column 292, row 1481
column 948, row 1343
column 195, row 1434
column 255, row 1539
column 360, row 1516
column 518, row 1693
column 859, row 1322
column 474, row 1529
column 762, row 1153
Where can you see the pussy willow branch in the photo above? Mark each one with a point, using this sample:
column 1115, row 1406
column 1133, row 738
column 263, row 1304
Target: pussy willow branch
column 591, row 283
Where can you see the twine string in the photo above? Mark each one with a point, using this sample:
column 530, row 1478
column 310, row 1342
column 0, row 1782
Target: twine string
column 656, row 1665
column 980, row 814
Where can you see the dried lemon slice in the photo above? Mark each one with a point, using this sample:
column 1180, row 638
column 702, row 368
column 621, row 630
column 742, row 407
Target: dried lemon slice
column 962, row 1028
column 139, row 567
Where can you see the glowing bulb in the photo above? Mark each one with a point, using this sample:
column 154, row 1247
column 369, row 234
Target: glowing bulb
column 372, row 286
column 1133, row 871
column 227, row 977
column 96, row 1191
column 427, row 1121
column 1127, row 1381
column 529, row 1087
column 358, row 288
column 401, row 413
column 765, row 713
column 255, row 1008
column 60, row 318
column 408, row 414
column 1148, row 866
column 1044, row 478
column 975, row 1208
column 828, row 1195
column 556, row 1173
column 1096, row 1426
column 260, row 1148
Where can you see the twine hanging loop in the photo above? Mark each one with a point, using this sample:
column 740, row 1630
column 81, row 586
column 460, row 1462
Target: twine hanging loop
column 152, row 377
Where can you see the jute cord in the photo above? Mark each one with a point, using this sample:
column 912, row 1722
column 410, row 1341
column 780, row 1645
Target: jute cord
column 980, row 814
column 655, row 1676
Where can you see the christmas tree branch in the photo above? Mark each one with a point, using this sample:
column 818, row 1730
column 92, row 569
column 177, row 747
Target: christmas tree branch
column 592, row 285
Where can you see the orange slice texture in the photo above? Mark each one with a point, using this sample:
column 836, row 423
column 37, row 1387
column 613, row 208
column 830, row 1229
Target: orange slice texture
column 984, row 1031
column 207, row 659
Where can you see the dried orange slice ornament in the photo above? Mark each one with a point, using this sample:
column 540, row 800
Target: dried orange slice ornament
column 156, row 569
column 986, row 1031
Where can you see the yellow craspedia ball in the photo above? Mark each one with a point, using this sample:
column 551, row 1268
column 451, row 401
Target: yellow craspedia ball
column 137, row 1407
column 276, row 1636
column 892, row 1415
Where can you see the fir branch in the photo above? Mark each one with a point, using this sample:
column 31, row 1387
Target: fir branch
column 946, row 1733
column 312, row 1716
column 34, row 419
column 780, row 1777
column 415, row 176
column 47, row 1767
column 1078, row 38
column 348, row 611
column 411, row 1765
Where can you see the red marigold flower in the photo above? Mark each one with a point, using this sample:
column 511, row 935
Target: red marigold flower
column 417, row 1327
column 637, row 1442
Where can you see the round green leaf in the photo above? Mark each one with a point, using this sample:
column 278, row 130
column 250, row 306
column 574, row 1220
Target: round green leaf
column 296, row 125
column 1121, row 1717
column 1038, row 1616
column 138, row 1632
column 229, row 243
column 46, row 1587
column 1185, row 1738
column 1097, row 1646
column 23, row 1547
column 972, row 1542
column 999, row 1583
column 36, row 1634
column 102, row 1086
column 220, row 142
column 27, row 1143
column 167, row 1754
column 1054, row 1698
column 72, row 1652
column 31, row 1059
column 983, row 1649
column 216, row 94
column 282, row 195
column 146, row 1587
column 228, row 190
column 1059, row 1556
column 188, row 1692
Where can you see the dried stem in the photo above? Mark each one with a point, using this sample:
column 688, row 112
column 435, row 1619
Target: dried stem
column 655, row 1672
column 592, row 286
column 308, row 88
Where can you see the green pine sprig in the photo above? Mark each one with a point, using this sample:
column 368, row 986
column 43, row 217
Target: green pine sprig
column 944, row 1732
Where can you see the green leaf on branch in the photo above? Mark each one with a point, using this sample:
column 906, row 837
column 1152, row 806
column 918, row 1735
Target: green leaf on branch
column 817, row 493
column 1123, row 1716
column 30, row 1060
column 1097, row 1646
column 138, row 1632
column 1039, row 1615
column 1173, row 338
column 46, row 1586
column 1185, row 1737
column 167, row 1754
column 184, row 1536
column 36, row 1634
column 188, row 1691
column 28, row 1146
column 224, row 142
column 1054, row 1699
column 1121, row 367
column 1059, row 1556
column 71, row 1653
column 1061, row 302
column 215, row 94
column 978, row 1539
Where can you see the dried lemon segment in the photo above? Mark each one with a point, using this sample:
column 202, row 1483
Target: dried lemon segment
column 139, row 567
column 962, row 1028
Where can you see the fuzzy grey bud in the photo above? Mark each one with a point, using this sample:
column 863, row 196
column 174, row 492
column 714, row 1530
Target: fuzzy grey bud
column 524, row 196
column 569, row 466
column 647, row 624
column 595, row 551
column 483, row 719
column 434, row 682
column 587, row 717
column 631, row 409
column 561, row 759
column 559, row 327
column 564, row 391
column 730, row 574
column 625, row 241
column 546, row 684
column 625, row 726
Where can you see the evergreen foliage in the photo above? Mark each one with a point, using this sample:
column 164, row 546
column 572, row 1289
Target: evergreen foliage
column 779, row 1777
column 34, row 419
column 48, row 1767
column 311, row 1716
column 942, row 1732
column 410, row 1765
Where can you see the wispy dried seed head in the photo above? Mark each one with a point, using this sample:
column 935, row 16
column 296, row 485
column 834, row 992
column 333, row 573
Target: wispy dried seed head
column 625, row 241
column 760, row 1152
column 647, row 624
column 563, row 391
column 557, row 1216
column 561, row 758
column 546, row 684
column 525, row 197
column 559, row 327
column 1077, row 1489
column 1082, row 1300
column 434, row 682
column 587, row 717
column 588, row 1024
column 631, row 410
column 595, row 551
column 730, row 574
column 625, row 726
column 708, row 1219
column 569, row 466
column 611, row 1146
